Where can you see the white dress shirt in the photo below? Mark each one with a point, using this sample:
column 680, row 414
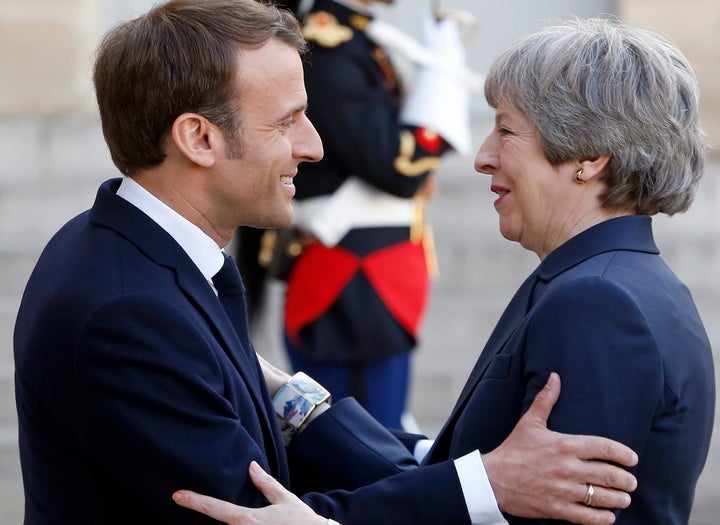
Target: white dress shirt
column 201, row 249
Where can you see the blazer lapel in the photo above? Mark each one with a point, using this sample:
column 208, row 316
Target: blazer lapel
column 508, row 323
column 114, row 212
column 631, row 233
column 248, row 366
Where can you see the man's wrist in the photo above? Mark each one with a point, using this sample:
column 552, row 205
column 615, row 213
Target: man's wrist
column 274, row 377
column 477, row 490
column 298, row 402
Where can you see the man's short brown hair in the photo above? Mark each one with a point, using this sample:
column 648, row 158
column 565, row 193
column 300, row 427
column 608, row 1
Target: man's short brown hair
column 179, row 57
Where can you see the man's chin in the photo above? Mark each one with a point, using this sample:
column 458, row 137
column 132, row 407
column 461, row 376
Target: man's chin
column 275, row 223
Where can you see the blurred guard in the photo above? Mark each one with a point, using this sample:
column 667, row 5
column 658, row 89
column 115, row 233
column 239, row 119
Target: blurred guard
column 357, row 294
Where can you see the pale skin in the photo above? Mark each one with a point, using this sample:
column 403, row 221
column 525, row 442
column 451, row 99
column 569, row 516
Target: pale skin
column 540, row 205
column 208, row 183
column 553, row 486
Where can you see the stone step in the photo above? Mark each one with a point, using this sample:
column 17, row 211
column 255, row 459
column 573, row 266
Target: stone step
column 11, row 489
column 63, row 149
column 33, row 211
column 8, row 413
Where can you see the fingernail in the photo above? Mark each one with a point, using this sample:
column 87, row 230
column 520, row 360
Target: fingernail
column 177, row 497
column 254, row 467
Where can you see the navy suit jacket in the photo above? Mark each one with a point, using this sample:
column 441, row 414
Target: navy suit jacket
column 606, row 312
column 131, row 383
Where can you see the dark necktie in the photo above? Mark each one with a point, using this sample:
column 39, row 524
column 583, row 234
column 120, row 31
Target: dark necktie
column 231, row 292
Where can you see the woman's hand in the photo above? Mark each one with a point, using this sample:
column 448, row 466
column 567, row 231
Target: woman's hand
column 285, row 508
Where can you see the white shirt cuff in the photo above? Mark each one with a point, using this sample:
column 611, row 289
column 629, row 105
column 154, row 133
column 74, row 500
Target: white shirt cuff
column 422, row 447
column 479, row 497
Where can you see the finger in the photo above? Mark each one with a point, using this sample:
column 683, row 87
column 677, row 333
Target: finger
column 273, row 491
column 590, row 516
column 544, row 401
column 599, row 448
column 215, row 508
column 605, row 498
column 609, row 476
column 567, row 504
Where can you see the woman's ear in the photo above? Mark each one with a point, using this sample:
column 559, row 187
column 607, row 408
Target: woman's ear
column 591, row 168
column 196, row 138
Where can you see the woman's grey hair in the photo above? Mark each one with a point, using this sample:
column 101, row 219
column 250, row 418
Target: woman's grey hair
column 595, row 87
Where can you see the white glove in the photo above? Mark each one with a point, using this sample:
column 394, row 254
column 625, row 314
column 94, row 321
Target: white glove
column 439, row 98
column 442, row 39
column 405, row 47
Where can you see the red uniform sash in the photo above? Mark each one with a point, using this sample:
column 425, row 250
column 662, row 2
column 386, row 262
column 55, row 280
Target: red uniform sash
column 398, row 274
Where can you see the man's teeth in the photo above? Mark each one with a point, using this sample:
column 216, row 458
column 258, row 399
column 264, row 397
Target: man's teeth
column 286, row 180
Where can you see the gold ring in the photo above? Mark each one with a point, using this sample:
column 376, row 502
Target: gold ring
column 589, row 495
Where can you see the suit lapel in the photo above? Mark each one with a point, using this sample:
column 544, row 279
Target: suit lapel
column 246, row 363
column 508, row 323
column 630, row 233
column 200, row 293
column 114, row 212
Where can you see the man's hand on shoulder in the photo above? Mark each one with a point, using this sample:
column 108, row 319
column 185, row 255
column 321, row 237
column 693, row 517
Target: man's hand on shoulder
column 538, row 473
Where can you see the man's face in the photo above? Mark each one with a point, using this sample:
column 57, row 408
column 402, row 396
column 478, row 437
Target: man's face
column 254, row 184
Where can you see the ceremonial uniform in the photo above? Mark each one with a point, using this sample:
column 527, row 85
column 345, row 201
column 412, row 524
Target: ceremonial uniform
column 357, row 294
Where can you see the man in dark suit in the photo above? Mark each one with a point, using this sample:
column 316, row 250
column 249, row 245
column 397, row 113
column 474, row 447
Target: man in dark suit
column 135, row 375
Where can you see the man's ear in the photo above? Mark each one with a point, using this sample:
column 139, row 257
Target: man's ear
column 593, row 167
column 196, row 138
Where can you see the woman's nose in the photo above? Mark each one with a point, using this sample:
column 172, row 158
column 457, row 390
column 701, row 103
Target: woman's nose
column 486, row 159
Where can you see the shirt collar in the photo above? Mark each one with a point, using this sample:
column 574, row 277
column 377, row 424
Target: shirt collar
column 201, row 249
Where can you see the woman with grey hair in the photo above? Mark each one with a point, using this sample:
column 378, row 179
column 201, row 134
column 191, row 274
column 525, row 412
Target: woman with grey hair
column 596, row 130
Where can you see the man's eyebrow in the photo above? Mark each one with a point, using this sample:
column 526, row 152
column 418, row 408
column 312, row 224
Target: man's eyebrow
column 299, row 109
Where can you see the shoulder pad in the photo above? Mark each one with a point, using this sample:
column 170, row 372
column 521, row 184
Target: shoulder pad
column 323, row 28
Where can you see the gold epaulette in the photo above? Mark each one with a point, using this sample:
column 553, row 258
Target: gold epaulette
column 324, row 29
column 359, row 22
column 404, row 163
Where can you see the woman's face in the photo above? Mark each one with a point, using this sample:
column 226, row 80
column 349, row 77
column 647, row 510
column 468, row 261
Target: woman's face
column 538, row 204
